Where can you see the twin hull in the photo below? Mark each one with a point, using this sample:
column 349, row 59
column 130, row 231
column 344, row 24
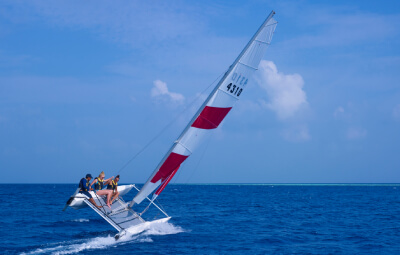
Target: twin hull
column 78, row 201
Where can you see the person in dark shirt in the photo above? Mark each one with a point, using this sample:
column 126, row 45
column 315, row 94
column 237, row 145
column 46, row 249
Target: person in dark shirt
column 113, row 185
column 84, row 185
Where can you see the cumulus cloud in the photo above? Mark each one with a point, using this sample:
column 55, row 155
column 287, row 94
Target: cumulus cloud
column 355, row 133
column 286, row 98
column 160, row 91
column 285, row 91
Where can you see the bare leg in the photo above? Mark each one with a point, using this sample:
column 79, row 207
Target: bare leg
column 93, row 202
column 109, row 195
column 106, row 192
column 116, row 194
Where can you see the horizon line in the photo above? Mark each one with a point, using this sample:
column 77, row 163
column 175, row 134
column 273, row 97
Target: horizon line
column 248, row 184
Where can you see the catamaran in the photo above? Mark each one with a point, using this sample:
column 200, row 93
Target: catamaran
column 209, row 116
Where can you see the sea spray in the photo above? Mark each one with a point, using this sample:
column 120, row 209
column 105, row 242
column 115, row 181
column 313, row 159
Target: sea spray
column 139, row 234
column 158, row 227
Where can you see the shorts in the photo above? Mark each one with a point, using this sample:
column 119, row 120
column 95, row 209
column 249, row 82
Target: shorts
column 86, row 194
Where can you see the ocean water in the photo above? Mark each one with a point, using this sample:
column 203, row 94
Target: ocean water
column 211, row 219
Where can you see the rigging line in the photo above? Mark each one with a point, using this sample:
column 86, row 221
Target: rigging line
column 176, row 177
column 201, row 157
column 145, row 209
column 168, row 125
column 159, row 203
column 102, row 206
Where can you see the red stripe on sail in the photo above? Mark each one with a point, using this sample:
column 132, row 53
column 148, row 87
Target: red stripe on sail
column 210, row 117
column 173, row 162
column 166, row 181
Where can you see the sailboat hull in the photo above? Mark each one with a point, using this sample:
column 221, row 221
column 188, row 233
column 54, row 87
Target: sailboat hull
column 77, row 202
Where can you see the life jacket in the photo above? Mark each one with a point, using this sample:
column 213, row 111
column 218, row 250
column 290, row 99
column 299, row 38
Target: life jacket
column 99, row 184
column 84, row 187
column 112, row 185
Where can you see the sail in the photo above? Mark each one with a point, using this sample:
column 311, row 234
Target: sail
column 213, row 111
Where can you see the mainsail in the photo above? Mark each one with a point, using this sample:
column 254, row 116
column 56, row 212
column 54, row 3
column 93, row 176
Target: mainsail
column 213, row 111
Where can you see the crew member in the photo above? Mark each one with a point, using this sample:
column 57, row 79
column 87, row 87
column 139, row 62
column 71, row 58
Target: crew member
column 113, row 185
column 99, row 183
column 84, row 185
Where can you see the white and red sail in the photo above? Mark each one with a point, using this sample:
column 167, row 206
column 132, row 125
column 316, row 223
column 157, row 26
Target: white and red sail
column 213, row 111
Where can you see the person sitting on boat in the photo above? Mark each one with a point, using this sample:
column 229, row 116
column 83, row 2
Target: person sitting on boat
column 84, row 185
column 99, row 183
column 113, row 186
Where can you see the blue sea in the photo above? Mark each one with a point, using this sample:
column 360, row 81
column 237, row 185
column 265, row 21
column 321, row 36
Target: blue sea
column 211, row 219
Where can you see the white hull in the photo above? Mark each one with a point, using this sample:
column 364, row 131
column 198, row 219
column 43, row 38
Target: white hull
column 78, row 201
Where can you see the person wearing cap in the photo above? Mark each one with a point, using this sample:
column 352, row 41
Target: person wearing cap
column 99, row 183
column 113, row 186
column 84, row 185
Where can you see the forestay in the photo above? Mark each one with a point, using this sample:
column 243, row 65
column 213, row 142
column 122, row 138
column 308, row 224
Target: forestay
column 218, row 104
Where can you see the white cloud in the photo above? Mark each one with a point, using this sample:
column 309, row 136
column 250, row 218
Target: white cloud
column 286, row 98
column 355, row 133
column 285, row 91
column 396, row 112
column 160, row 91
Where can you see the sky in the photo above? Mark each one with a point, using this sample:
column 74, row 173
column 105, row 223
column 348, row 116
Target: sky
column 85, row 86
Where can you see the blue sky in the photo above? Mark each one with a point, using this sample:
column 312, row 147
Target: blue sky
column 84, row 86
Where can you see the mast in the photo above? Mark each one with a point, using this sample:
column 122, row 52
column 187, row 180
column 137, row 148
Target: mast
column 222, row 79
column 213, row 110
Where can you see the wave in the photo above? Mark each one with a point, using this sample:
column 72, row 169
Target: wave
column 137, row 234
column 80, row 220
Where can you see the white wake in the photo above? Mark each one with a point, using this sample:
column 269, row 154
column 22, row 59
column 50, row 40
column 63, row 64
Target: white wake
column 137, row 234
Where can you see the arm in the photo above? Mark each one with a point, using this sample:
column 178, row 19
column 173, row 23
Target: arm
column 93, row 182
column 108, row 180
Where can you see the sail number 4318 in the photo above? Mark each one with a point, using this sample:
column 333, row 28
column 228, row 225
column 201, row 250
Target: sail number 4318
column 233, row 89
column 239, row 80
